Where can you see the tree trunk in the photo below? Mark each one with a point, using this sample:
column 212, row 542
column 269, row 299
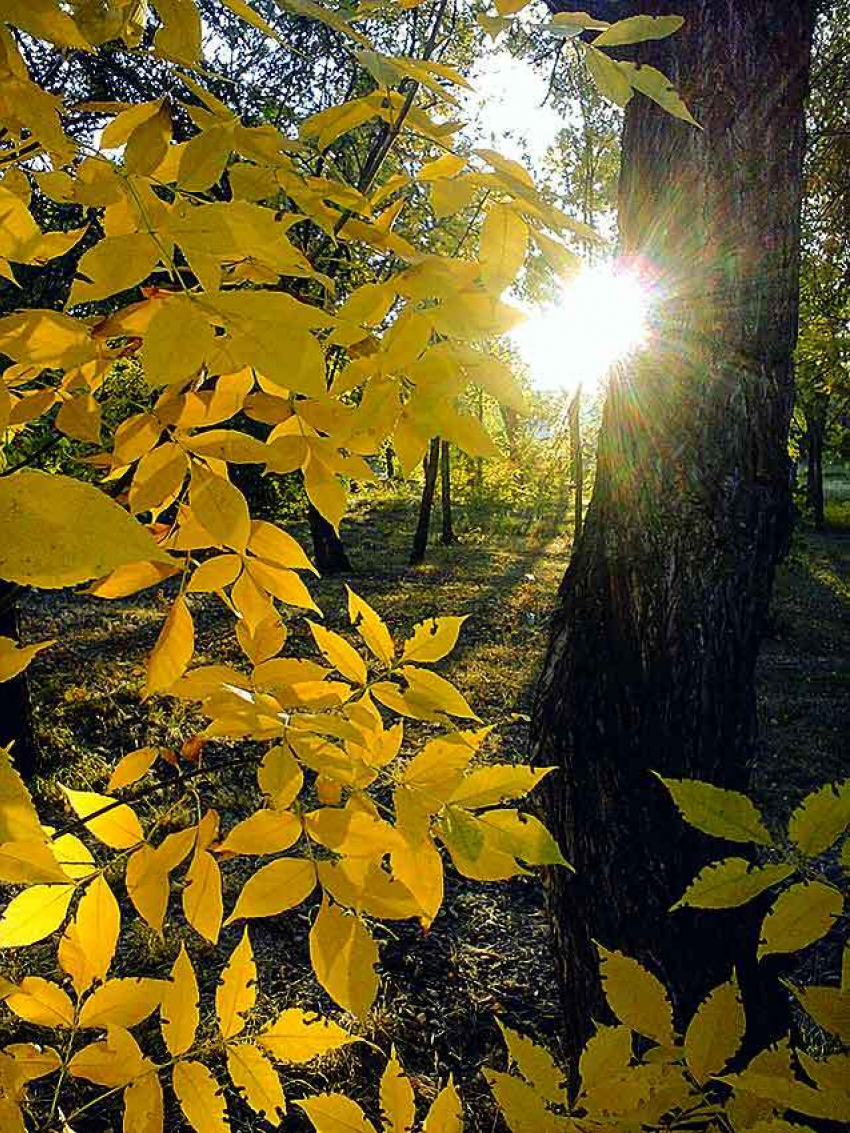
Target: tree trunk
column 430, row 465
column 16, row 725
column 815, row 427
column 653, row 646
column 390, row 462
column 448, row 534
column 577, row 462
column 328, row 549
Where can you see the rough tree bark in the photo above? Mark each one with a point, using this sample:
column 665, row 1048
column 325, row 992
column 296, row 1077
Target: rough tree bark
column 654, row 642
column 447, row 535
column 16, row 726
column 577, row 463
column 328, row 549
column 430, row 465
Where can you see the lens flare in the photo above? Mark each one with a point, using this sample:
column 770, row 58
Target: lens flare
column 598, row 319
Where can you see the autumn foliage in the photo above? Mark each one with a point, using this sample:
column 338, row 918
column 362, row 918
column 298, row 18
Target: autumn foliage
column 222, row 272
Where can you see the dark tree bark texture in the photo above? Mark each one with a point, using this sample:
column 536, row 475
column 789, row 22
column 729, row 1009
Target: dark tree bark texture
column 328, row 549
column 16, row 726
column 577, row 462
column 661, row 612
column 430, row 465
column 447, row 535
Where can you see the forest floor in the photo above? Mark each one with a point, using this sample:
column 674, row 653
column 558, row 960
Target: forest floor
column 488, row 951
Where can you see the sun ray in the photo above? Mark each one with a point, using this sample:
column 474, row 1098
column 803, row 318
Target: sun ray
column 598, row 318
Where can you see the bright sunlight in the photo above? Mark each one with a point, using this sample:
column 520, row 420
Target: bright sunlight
column 598, row 319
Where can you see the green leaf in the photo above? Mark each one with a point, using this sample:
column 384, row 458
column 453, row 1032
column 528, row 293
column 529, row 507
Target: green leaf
column 732, row 882
column 638, row 29
column 716, row 811
column 820, row 818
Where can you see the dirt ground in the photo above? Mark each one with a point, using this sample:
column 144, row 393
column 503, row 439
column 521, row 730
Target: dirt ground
column 488, row 951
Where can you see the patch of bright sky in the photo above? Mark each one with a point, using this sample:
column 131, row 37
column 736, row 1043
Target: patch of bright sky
column 508, row 110
column 573, row 339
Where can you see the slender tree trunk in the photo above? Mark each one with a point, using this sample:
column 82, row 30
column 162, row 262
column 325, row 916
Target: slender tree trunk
column 390, row 462
column 448, row 534
column 653, row 646
column 328, row 549
column 16, row 726
column 814, row 469
column 430, row 466
column 577, row 462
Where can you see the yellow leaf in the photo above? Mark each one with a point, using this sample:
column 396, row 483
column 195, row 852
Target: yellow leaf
column 280, row 885
column 265, row 832
column 434, row 693
column 15, row 658
column 88, row 946
column 79, row 417
column 29, row 862
column 200, row 1098
column 731, row 882
column 273, row 545
column 114, row 264
column 397, row 1101
column 144, row 1111
column 371, row 628
column 205, row 156
column 638, row 29
column 122, row 1002
column 215, row 574
column 221, row 509
column 325, row 492
column 605, row 1059
column 59, row 531
column 351, row 831
column 800, row 916
column 339, row 654
column 179, row 37
column 536, row 1065
column 497, row 783
column 33, row 914
column 335, row 1113
column 173, row 651
column 75, row 859
column 820, row 818
column 11, row 1116
column 46, row 339
column 504, row 243
column 113, row 1063
column 32, row 1061
column 256, row 1080
column 178, row 340
column 344, row 955
column 41, row 1002
column 522, row 1108
column 296, row 1036
column 608, row 76
column 432, row 640
column 158, row 478
column 147, row 875
column 132, row 767
column 236, row 993
column 179, row 1010
column 716, row 811
column 658, row 87
column 130, row 579
column 828, row 1006
column 280, row 777
column 202, row 903
column 715, row 1033
column 19, row 821
column 118, row 827
column 444, row 1115
column 636, row 997
column 285, row 585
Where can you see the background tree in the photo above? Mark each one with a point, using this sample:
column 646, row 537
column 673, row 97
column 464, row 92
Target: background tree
column 653, row 645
